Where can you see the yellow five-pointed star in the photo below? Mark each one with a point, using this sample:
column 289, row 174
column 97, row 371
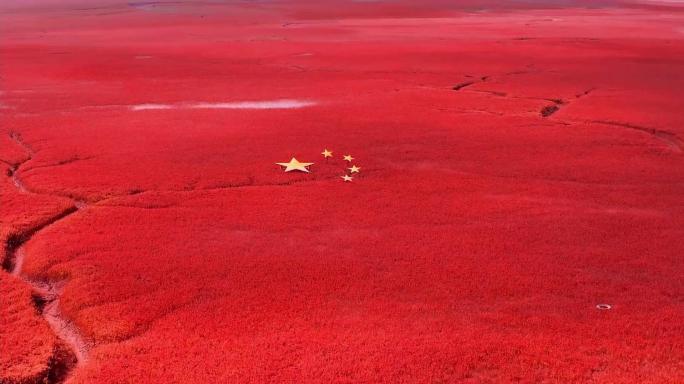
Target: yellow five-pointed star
column 295, row 165
column 326, row 153
column 348, row 157
column 354, row 169
column 347, row 178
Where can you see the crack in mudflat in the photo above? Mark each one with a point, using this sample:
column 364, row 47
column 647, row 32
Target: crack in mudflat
column 546, row 111
column 61, row 162
column 468, row 83
column 462, row 85
column 585, row 93
column 249, row 184
column 7, row 163
column 495, row 93
column 470, row 110
column 72, row 349
column 669, row 138
column 549, row 110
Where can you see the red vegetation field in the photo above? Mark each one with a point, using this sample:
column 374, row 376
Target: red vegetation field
column 521, row 164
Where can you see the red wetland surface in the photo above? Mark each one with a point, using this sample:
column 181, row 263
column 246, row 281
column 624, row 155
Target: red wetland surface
column 517, row 215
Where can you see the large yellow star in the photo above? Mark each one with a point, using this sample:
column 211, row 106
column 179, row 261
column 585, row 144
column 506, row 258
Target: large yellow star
column 295, row 165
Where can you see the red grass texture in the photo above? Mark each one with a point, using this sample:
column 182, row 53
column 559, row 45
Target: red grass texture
column 520, row 165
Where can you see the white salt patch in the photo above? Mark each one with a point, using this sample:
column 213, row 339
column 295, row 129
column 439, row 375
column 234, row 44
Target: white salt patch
column 269, row 104
column 272, row 104
column 142, row 107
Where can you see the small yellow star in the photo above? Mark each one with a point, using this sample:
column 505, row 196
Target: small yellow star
column 295, row 165
column 348, row 158
column 354, row 169
column 347, row 178
column 326, row 153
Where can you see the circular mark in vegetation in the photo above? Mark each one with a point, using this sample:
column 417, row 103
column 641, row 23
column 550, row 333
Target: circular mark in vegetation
column 603, row 307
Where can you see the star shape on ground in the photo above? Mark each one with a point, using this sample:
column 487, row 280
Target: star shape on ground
column 326, row 153
column 354, row 169
column 347, row 178
column 348, row 157
column 295, row 165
